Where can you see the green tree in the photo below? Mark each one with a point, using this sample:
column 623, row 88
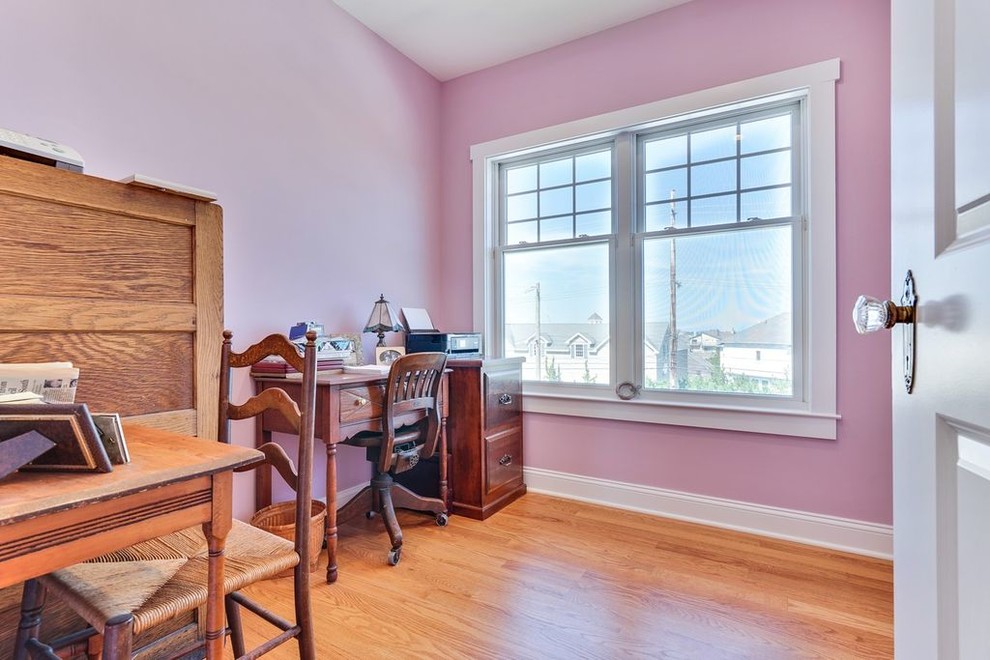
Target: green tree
column 553, row 372
column 588, row 377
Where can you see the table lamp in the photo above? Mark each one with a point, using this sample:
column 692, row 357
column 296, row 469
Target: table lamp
column 383, row 319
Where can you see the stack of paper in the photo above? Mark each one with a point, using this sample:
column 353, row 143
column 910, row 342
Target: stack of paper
column 55, row 382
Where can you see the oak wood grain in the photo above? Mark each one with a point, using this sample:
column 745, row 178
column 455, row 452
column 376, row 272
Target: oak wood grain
column 127, row 282
column 126, row 372
column 72, row 252
column 33, row 181
column 552, row 578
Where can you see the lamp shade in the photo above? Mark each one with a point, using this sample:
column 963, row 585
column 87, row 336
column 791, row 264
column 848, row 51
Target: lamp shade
column 383, row 319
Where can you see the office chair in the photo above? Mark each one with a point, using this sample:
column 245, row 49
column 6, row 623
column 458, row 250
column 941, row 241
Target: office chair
column 410, row 431
column 135, row 589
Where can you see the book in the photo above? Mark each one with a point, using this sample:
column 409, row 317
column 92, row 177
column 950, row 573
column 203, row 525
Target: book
column 374, row 369
column 280, row 368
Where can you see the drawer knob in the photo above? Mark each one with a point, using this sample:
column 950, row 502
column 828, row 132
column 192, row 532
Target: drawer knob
column 358, row 402
column 505, row 460
column 504, row 399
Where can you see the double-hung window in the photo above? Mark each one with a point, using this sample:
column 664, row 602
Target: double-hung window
column 673, row 262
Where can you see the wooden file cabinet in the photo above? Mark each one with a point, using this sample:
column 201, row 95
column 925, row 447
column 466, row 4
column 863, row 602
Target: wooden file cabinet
column 484, row 431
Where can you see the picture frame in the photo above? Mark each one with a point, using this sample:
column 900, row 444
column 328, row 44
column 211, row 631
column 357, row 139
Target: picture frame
column 388, row 354
column 69, row 425
column 111, row 434
column 341, row 339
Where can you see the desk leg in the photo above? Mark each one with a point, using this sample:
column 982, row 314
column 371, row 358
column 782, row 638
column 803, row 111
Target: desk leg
column 444, row 493
column 331, row 512
column 216, row 538
column 262, row 473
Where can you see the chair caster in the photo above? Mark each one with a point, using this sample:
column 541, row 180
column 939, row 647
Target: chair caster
column 441, row 519
column 394, row 556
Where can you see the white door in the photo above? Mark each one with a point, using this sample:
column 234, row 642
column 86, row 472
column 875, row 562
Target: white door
column 940, row 184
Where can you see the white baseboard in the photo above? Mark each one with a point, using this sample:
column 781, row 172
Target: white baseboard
column 863, row 538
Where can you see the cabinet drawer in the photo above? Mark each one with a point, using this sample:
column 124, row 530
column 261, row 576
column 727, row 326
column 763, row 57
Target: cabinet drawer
column 503, row 398
column 361, row 403
column 504, row 460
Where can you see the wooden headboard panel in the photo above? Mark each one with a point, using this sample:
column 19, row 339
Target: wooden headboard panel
column 124, row 281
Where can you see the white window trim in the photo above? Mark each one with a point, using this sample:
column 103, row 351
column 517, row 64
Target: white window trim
column 816, row 416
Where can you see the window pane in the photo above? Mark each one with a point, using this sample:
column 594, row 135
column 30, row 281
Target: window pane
column 775, row 203
column 665, row 153
column 733, row 297
column 557, row 228
column 594, row 224
column 713, row 178
column 765, row 134
column 714, row 143
column 520, row 179
column 556, row 172
column 663, row 215
column 521, row 232
column 556, row 201
column 713, row 210
column 591, row 196
column 658, row 186
column 520, row 207
column 766, row 170
column 556, row 293
column 593, row 166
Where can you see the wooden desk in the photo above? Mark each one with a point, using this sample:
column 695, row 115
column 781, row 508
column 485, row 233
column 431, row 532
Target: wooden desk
column 346, row 404
column 52, row 520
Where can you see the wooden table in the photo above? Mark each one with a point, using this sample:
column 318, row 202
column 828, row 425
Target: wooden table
column 50, row 520
column 346, row 404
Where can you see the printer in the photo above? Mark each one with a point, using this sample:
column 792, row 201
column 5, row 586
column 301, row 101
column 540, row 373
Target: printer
column 454, row 344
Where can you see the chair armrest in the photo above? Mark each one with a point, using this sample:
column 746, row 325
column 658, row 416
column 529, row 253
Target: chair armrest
column 277, row 458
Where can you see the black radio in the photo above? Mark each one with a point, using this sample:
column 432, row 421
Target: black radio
column 454, row 344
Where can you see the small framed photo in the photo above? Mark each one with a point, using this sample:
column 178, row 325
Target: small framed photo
column 112, row 436
column 388, row 354
column 69, row 425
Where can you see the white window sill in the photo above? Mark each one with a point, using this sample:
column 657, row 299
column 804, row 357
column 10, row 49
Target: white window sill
column 799, row 423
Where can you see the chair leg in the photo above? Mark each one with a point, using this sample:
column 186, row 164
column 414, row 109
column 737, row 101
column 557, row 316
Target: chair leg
column 382, row 484
column 118, row 637
column 234, row 623
column 360, row 503
column 304, row 616
column 32, row 604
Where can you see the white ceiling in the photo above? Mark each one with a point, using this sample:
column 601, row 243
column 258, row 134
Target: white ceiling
column 449, row 38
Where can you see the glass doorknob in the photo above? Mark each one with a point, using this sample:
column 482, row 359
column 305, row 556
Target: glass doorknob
column 871, row 314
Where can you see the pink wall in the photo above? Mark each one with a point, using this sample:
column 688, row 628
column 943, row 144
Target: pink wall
column 691, row 47
column 320, row 140
column 313, row 131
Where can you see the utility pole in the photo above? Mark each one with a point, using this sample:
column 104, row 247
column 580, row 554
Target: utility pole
column 672, row 370
column 539, row 333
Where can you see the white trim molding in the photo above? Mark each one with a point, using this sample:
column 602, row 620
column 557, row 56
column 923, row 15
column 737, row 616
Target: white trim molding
column 855, row 536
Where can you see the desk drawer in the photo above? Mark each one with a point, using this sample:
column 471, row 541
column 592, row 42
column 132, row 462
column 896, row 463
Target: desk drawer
column 503, row 397
column 504, row 460
column 361, row 403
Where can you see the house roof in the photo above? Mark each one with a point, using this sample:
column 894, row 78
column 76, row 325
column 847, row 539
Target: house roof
column 775, row 331
column 560, row 336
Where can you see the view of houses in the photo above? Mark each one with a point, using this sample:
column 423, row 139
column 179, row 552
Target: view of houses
column 756, row 359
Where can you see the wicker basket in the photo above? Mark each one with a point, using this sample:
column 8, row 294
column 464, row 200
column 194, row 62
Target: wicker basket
column 280, row 519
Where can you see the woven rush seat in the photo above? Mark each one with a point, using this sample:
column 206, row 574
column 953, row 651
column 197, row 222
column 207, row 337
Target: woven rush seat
column 159, row 579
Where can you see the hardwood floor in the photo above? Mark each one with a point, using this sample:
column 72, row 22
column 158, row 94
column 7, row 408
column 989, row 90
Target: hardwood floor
column 553, row 578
